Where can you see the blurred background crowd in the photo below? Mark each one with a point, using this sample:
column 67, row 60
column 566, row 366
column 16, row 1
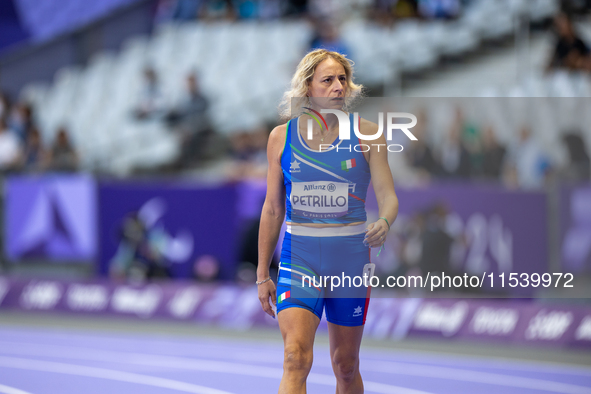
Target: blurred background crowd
column 189, row 89
column 195, row 94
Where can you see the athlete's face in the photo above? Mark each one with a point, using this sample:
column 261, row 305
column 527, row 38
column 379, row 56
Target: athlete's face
column 329, row 85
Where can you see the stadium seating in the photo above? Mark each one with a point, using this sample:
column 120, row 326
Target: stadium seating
column 96, row 103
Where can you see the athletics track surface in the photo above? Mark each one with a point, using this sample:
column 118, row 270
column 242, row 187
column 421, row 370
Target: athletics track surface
column 41, row 361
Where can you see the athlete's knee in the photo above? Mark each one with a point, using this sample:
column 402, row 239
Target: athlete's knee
column 345, row 367
column 297, row 359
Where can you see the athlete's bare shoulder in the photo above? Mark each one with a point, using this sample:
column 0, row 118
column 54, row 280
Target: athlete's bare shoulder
column 278, row 135
column 279, row 131
column 367, row 127
column 277, row 140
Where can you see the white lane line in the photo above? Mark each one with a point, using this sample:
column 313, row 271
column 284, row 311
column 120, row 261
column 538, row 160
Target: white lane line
column 103, row 373
column 11, row 390
column 419, row 357
column 465, row 375
column 445, row 373
column 213, row 347
column 223, row 367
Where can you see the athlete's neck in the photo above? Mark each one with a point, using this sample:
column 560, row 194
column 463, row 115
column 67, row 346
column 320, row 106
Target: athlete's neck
column 332, row 122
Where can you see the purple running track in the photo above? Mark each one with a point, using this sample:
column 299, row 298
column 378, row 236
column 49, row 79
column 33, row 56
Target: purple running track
column 38, row 361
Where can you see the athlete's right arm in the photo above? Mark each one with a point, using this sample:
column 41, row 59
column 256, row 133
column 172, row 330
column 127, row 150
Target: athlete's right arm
column 272, row 216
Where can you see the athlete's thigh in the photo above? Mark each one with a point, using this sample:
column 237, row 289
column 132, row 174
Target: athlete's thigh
column 298, row 327
column 298, row 271
column 345, row 258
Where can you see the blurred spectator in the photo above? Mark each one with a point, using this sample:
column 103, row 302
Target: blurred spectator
column 579, row 167
column 454, row 157
column 248, row 154
column 62, row 156
column 151, row 101
column 570, row 51
column 402, row 172
column 10, row 148
column 471, row 140
column 219, row 9
column 207, row 268
column 179, row 10
column 529, row 161
column 409, row 233
column 493, row 155
column 21, row 120
column 436, row 241
column 246, row 9
column 190, row 119
column 421, row 157
column 34, row 158
column 406, row 9
column 416, row 163
column 4, row 105
column 572, row 7
column 190, row 113
column 383, row 11
column 296, row 7
column 138, row 256
column 270, row 9
column 439, row 9
column 324, row 9
column 327, row 37
column 164, row 11
column 258, row 156
column 387, row 11
column 240, row 146
column 187, row 10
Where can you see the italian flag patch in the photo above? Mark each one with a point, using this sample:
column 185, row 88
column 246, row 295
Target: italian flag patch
column 347, row 164
column 284, row 296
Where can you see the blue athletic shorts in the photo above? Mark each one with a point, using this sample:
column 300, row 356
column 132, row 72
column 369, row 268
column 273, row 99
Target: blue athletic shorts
column 317, row 258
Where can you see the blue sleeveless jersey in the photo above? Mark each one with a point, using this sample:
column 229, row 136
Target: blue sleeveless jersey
column 324, row 187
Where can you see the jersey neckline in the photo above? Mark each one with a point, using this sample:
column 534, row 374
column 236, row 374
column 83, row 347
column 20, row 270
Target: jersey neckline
column 305, row 145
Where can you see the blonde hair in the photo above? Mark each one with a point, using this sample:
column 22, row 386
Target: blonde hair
column 296, row 97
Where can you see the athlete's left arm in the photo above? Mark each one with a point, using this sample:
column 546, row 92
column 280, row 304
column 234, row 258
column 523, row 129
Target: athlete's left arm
column 383, row 185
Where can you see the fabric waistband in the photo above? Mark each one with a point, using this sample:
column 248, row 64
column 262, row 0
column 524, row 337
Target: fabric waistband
column 341, row 231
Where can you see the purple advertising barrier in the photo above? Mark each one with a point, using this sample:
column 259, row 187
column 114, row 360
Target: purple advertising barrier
column 223, row 305
column 508, row 322
column 390, row 317
column 575, row 225
column 495, row 230
column 185, row 223
column 51, row 217
column 499, row 321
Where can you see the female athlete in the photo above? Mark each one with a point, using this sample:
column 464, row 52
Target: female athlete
column 317, row 182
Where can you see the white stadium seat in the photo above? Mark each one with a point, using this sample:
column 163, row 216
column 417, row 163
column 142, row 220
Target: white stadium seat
column 243, row 68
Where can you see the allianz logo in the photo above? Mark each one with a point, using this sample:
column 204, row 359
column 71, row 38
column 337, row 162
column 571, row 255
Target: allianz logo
column 41, row 295
column 330, row 187
column 184, row 302
column 494, row 321
column 4, row 287
column 447, row 320
column 548, row 325
column 584, row 330
column 87, row 297
column 142, row 302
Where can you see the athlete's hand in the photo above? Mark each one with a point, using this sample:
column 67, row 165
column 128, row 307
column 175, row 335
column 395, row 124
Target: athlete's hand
column 375, row 234
column 267, row 290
